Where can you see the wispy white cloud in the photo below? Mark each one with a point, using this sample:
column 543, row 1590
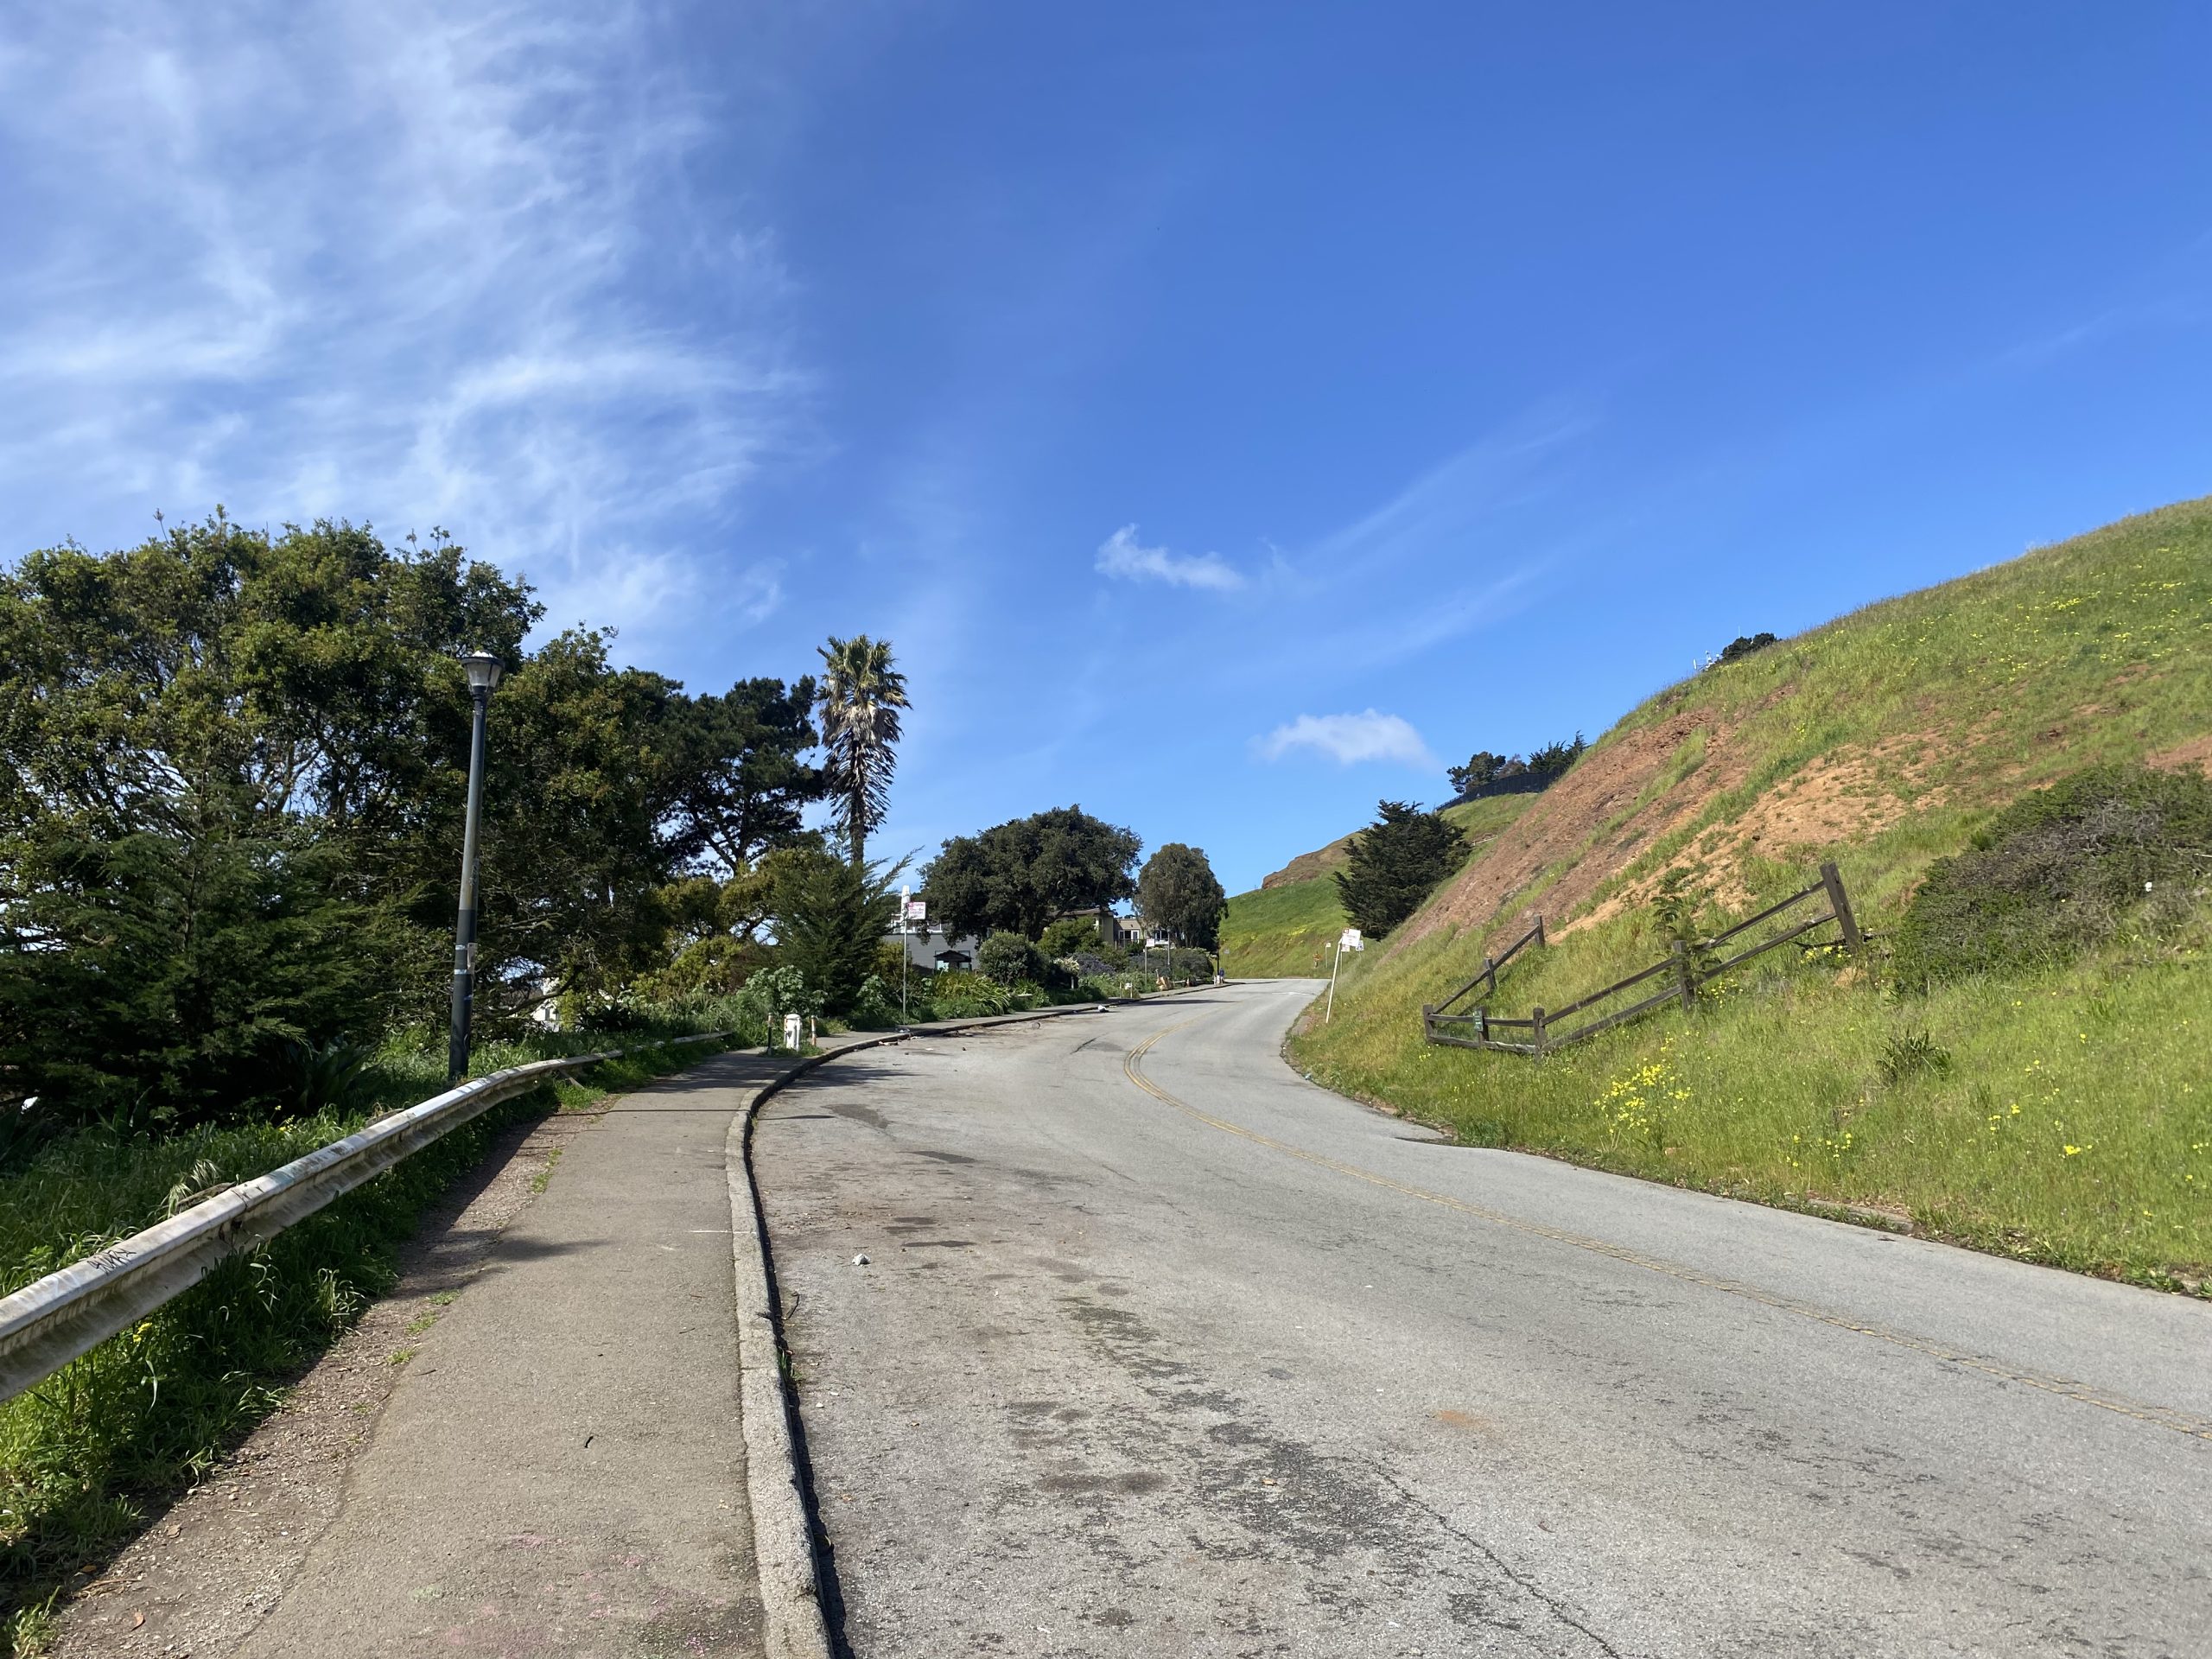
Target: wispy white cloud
column 419, row 261
column 1446, row 510
column 1349, row 739
column 1121, row 556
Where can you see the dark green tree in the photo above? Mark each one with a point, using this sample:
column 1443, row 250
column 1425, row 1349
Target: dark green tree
column 1395, row 863
column 1555, row 758
column 1177, row 890
column 231, row 771
column 1744, row 644
column 831, row 917
column 745, row 780
column 225, row 760
column 1482, row 766
column 1020, row 874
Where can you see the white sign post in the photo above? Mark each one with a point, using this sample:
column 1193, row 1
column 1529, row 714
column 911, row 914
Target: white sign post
column 1349, row 941
column 794, row 1033
column 906, row 909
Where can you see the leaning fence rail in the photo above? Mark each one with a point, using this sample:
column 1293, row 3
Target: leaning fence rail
column 1683, row 971
column 51, row 1321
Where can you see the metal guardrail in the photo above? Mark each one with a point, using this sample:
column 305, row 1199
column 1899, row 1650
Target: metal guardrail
column 50, row 1322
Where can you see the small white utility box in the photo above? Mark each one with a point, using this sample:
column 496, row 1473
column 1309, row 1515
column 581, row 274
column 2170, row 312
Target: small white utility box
column 794, row 1033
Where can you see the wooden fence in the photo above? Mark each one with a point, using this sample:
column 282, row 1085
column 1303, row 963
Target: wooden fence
column 1682, row 973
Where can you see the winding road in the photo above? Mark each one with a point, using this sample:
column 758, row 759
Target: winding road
column 1158, row 1349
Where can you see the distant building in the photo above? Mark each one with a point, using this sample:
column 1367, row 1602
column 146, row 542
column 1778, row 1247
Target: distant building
column 929, row 949
column 1112, row 928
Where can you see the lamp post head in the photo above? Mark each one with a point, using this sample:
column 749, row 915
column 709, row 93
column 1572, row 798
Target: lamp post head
column 483, row 670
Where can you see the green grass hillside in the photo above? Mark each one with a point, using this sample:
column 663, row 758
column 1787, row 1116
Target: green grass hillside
column 1284, row 931
column 2073, row 1122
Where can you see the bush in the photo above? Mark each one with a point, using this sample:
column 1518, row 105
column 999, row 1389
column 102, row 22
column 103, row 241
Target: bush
column 876, row 1008
column 970, row 996
column 1191, row 964
column 2060, row 871
column 767, row 997
column 1009, row 959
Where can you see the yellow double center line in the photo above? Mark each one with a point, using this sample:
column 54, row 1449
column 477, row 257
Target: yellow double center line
column 2161, row 1416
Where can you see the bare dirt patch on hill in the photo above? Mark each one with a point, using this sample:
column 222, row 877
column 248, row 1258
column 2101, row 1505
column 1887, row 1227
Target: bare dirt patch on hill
column 1606, row 813
column 1591, row 817
column 1847, row 796
column 2197, row 752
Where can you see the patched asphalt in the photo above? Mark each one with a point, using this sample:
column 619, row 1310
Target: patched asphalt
column 1159, row 1350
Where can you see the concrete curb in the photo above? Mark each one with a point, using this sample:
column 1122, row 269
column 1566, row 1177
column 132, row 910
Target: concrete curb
column 794, row 1624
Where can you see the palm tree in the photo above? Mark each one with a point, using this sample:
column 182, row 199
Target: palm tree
column 862, row 694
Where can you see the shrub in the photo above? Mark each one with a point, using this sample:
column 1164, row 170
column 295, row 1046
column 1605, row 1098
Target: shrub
column 969, row 995
column 1009, row 959
column 2060, row 871
column 767, row 997
column 876, row 1007
column 1191, row 964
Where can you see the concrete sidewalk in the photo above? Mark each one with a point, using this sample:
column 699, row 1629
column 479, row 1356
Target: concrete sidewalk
column 560, row 1469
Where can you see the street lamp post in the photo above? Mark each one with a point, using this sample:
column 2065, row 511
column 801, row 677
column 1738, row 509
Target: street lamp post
column 483, row 674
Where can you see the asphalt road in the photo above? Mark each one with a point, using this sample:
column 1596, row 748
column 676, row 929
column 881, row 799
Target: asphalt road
column 1159, row 1350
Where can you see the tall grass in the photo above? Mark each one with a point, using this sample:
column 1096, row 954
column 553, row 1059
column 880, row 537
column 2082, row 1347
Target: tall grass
column 1945, row 705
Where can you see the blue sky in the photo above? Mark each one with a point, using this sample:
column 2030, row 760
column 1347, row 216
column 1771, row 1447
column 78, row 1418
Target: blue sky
column 1232, row 413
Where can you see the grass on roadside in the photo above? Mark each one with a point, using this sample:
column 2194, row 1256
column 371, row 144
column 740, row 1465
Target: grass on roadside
column 2063, row 1117
column 84, row 1456
column 1885, row 739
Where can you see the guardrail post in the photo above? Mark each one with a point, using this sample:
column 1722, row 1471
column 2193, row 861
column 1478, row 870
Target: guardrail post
column 1684, row 982
column 1536, row 1019
column 1840, row 904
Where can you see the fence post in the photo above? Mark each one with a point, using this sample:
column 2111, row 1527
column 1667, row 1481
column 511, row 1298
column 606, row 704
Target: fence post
column 1683, row 981
column 1482, row 1024
column 1536, row 1019
column 1427, row 1021
column 1540, row 931
column 1840, row 904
